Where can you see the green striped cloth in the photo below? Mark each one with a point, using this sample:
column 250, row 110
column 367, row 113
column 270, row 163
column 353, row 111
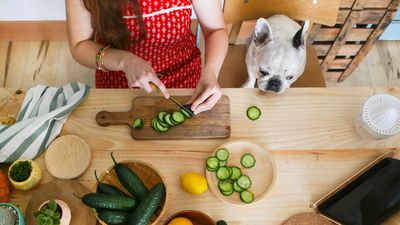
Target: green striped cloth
column 43, row 113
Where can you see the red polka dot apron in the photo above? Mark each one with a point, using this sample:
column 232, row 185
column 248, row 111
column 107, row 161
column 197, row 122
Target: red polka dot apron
column 169, row 45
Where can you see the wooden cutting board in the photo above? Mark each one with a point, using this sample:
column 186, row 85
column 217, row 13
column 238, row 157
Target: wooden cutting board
column 63, row 190
column 211, row 124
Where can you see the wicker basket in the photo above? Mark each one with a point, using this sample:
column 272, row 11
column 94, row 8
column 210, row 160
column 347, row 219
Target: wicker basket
column 148, row 174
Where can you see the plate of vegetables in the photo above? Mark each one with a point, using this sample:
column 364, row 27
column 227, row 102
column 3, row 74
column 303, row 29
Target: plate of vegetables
column 240, row 172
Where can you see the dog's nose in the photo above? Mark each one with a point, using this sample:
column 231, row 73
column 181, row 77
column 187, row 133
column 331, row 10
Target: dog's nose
column 274, row 85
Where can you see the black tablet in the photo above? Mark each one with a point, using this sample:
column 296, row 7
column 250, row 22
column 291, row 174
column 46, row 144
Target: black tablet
column 369, row 199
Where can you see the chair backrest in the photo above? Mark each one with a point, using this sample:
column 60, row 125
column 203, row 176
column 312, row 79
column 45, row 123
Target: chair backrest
column 316, row 11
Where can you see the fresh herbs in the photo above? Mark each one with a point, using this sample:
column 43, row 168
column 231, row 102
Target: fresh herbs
column 49, row 214
column 21, row 171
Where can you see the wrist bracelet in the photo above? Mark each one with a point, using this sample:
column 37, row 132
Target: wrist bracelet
column 100, row 58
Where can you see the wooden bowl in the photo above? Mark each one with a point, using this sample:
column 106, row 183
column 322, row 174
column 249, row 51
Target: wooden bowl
column 147, row 173
column 196, row 217
column 262, row 175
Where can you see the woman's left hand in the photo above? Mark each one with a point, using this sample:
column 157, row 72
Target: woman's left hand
column 207, row 93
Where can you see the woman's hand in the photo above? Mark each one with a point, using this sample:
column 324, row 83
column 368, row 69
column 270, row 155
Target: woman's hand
column 207, row 93
column 140, row 73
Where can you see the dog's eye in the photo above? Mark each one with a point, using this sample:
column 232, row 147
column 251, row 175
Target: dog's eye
column 289, row 77
column 263, row 72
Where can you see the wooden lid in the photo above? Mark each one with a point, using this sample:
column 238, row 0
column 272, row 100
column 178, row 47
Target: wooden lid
column 67, row 157
column 308, row 219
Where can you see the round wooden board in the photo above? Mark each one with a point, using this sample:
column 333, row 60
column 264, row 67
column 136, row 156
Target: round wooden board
column 67, row 157
column 262, row 175
column 308, row 219
column 63, row 190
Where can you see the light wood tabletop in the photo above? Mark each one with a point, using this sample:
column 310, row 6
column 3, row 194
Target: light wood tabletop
column 310, row 133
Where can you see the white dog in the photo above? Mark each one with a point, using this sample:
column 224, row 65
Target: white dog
column 276, row 54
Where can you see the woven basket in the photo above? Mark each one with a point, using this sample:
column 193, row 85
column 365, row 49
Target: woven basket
column 148, row 174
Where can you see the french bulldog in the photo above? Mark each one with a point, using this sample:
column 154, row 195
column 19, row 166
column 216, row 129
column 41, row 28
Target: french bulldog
column 276, row 54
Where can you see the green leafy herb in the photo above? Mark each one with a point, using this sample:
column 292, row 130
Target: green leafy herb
column 21, row 171
column 48, row 214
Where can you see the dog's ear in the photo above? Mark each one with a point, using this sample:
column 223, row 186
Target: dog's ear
column 299, row 39
column 263, row 32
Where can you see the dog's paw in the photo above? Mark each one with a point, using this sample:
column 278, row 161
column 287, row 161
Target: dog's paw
column 247, row 85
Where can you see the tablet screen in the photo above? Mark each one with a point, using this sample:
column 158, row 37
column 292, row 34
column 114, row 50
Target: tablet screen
column 368, row 200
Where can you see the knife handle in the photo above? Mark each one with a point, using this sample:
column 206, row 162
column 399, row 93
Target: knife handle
column 155, row 88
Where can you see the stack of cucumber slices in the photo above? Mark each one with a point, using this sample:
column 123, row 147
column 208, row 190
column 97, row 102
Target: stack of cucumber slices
column 231, row 178
column 165, row 121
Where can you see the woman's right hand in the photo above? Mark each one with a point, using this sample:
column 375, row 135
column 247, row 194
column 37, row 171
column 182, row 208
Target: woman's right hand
column 140, row 73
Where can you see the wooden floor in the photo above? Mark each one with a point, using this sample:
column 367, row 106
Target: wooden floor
column 24, row 64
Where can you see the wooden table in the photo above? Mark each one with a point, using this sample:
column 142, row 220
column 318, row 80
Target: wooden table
column 309, row 131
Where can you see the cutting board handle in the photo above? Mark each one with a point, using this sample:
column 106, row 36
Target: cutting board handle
column 105, row 118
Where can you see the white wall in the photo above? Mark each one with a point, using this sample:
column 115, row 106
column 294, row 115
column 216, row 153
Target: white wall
column 13, row 10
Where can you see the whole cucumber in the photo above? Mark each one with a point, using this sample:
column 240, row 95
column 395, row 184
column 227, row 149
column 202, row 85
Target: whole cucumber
column 105, row 201
column 130, row 180
column 114, row 217
column 107, row 188
column 147, row 206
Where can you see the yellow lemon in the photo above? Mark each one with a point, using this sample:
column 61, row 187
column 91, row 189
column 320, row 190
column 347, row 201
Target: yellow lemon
column 194, row 183
column 180, row 221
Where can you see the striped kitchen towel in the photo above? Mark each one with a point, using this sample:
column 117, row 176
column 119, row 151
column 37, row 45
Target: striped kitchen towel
column 41, row 117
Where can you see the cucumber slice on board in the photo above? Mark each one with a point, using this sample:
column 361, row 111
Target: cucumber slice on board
column 137, row 124
column 244, row 182
column 161, row 116
column 178, row 117
column 253, row 113
column 222, row 154
column 153, row 124
column 247, row 196
column 236, row 173
column 225, row 186
column 222, row 163
column 168, row 120
column 248, row 160
column 223, row 173
column 160, row 127
column 212, row 163
column 187, row 115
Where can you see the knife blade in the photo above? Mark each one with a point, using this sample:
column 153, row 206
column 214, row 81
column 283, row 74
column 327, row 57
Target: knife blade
column 184, row 108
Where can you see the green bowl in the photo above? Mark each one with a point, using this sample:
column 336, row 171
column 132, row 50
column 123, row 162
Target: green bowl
column 20, row 216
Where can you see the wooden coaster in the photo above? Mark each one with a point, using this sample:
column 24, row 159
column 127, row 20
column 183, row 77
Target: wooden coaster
column 67, row 157
column 308, row 219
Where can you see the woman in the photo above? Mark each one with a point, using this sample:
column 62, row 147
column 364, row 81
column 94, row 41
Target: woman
column 133, row 43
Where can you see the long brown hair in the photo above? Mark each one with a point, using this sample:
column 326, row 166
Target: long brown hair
column 108, row 22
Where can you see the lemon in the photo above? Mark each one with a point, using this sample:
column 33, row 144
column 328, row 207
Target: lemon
column 194, row 183
column 180, row 221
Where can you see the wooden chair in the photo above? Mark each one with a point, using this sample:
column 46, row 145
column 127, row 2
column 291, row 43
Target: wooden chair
column 236, row 12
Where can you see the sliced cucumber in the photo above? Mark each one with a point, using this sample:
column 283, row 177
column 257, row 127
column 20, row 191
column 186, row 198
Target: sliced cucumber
column 212, row 163
column 223, row 173
column 137, row 124
column 168, row 120
column 211, row 169
column 222, row 163
column 227, row 193
column 165, row 125
column 222, row 154
column 247, row 196
column 178, row 117
column 160, row 127
column 153, row 124
column 244, row 182
column 236, row 173
column 186, row 113
column 230, row 171
column 237, row 188
column 253, row 113
column 248, row 160
column 161, row 116
column 225, row 186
